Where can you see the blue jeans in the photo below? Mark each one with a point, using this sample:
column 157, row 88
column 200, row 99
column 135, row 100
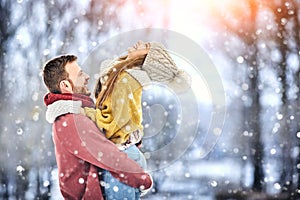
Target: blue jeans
column 116, row 190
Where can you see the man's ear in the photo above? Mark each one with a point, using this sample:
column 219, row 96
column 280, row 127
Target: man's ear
column 65, row 87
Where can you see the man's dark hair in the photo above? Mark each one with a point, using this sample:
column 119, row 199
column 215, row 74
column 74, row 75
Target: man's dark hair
column 54, row 72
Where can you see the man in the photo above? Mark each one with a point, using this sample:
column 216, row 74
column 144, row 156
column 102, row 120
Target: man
column 81, row 149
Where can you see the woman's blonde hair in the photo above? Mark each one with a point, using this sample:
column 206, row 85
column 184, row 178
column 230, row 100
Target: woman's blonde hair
column 104, row 89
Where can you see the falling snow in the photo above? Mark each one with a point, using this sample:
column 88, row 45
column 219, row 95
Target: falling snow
column 198, row 171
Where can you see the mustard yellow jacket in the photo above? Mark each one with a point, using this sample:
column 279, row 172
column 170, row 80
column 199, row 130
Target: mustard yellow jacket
column 122, row 110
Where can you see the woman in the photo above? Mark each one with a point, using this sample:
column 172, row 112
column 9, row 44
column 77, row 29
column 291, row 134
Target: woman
column 118, row 94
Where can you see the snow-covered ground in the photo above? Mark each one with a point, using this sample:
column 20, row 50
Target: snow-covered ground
column 197, row 180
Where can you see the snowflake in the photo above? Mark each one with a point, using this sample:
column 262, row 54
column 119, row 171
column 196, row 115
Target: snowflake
column 116, row 189
column 20, row 169
column 20, row 131
column 128, row 128
column 130, row 96
column 81, row 180
column 214, row 183
column 124, row 80
column 64, row 124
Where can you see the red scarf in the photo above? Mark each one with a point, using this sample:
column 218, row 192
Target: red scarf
column 86, row 100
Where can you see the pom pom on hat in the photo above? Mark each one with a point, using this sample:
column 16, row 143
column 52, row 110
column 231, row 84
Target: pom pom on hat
column 180, row 83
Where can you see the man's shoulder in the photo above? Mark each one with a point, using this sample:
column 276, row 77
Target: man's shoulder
column 62, row 107
column 73, row 119
column 71, row 123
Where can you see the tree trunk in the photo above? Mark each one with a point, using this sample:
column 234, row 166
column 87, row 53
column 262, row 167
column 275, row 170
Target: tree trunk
column 255, row 127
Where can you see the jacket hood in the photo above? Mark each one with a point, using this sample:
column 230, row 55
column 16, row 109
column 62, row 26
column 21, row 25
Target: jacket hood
column 51, row 98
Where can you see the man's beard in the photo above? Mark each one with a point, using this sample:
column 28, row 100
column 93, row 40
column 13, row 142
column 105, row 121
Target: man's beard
column 81, row 90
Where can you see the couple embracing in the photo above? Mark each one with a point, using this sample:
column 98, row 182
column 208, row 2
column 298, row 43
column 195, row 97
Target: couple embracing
column 97, row 144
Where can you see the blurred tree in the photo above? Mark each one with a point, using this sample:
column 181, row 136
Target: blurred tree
column 5, row 15
column 270, row 44
column 5, row 32
column 233, row 23
column 269, row 32
column 283, row 38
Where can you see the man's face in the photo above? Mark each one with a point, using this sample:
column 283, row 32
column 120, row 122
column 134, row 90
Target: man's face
column 79, row 78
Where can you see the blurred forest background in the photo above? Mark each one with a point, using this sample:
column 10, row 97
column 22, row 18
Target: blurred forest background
column 255, row 46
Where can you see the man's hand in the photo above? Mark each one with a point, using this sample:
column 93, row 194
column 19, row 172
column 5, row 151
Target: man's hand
column 145, row 191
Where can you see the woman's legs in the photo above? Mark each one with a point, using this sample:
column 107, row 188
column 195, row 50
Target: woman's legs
column 115, row 190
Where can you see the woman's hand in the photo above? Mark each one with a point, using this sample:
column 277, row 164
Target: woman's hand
column 139, row 49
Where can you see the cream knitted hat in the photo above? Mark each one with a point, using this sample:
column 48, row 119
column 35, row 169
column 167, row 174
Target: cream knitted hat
column 160, row 67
